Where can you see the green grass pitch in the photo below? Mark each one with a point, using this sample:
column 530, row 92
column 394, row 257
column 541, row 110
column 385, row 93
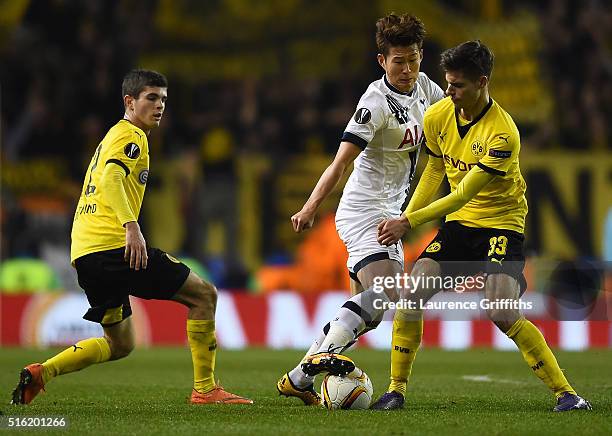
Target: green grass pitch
column 147, row 392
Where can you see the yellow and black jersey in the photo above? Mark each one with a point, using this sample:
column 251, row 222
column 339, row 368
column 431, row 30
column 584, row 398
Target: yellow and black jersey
column 112, row 192
column 491, row 141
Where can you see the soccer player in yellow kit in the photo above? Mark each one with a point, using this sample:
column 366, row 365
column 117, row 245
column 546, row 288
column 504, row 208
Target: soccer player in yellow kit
column 475, row 143
column 113, row 261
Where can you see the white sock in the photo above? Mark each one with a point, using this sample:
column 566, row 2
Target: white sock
column 352, row 318
column 337, row 339
column 298, row 377
column 315, row 345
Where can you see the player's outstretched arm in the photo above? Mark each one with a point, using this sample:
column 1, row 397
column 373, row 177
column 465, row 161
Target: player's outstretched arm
column 390, row 231
column 472, row 184
column 428, row 185
column 347, row 152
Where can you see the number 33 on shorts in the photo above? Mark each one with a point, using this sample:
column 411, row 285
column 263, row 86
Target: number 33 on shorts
column 498, row 245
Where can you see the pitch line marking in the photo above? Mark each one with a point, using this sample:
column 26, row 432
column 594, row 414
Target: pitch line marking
column 488, row 379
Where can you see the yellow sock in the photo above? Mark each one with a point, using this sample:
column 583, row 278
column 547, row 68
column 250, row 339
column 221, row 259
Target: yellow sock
column 407, row 334
column 79, row 356
column 201, row 335
column 539, row 356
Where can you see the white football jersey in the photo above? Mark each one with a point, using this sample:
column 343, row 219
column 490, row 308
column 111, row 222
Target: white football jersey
column 388, row 126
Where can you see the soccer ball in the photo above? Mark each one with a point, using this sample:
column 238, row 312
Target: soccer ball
column 353, row 391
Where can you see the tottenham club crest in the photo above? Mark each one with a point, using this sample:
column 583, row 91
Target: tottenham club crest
column 362, row 115
column 132, row 150
column 143, row 176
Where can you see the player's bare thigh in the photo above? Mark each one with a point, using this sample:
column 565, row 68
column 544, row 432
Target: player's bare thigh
column 503, row 287
column 381, row 268
column 356, row 287
column 120, row 338
column 423, row 269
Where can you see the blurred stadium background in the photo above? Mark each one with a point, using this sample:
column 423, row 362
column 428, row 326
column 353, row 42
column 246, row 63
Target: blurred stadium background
column 260, row 92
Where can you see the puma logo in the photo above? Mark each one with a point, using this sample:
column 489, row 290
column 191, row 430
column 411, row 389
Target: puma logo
column 497, row 260
column 504, row 139
column 75, row 348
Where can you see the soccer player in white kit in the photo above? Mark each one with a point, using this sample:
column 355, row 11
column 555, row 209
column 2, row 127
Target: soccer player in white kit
column 383, row 139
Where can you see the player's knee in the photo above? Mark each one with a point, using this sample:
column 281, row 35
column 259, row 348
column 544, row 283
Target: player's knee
column 198, row 294
column 503, row 318
column 120, row 348
column 206, row 294
column 393, row 293
column 426, row 267
column 382, row 284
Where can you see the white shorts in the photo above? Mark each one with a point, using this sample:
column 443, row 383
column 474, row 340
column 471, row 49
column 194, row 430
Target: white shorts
column 358, row 229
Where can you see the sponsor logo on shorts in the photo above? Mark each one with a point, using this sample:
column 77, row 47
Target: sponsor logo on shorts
column 132, row 150
column 434, row 247
column 362, row 115
column 172, row 258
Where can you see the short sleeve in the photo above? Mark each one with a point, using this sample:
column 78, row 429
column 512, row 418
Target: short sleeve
column 500, row 153
column 431, row 138
column 126, row 150
column 367, row 120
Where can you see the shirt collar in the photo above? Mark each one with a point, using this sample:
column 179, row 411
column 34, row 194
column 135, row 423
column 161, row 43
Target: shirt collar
column 397, row 91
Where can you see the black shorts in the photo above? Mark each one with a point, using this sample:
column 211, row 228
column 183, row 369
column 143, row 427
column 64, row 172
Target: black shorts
column 470, row 250
column 108, row 282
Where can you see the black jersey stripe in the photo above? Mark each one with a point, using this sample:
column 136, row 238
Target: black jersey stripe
column 491, row 170
column 354, row 139
column 431, row 153
column 121, row 164
column 400, row 112
column 413, row 160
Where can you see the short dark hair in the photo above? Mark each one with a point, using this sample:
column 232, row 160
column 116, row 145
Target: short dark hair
column 472, row 58
column 398, row 30
column 136, row 80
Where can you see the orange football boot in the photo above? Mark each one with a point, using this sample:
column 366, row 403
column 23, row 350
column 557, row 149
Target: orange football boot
column 30, row 384
column 217, row 396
